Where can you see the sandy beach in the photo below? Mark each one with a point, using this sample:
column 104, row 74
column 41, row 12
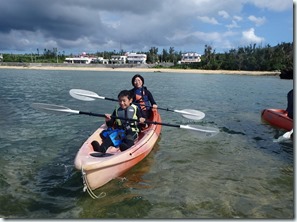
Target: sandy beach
column 140, row 70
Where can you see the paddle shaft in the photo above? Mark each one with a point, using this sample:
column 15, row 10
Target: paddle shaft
column 163, row 124
column 56, row 108
column 103, row 115
column 160, row 108
column 147, row 122
column 89, row 96
column 110, row 99
column 129, row 119
column 166, row 109
column 115, row 100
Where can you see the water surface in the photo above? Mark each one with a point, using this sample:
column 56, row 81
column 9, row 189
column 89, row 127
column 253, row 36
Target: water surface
column 240, row 173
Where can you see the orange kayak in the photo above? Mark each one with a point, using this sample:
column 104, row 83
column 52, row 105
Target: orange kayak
column 98, row 169
column 277, row 118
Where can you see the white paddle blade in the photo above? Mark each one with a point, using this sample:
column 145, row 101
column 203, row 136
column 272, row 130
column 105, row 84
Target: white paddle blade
column 191, row 114
column 84, row 95
column 287, row 136
column 206, row 130
column 50, row 108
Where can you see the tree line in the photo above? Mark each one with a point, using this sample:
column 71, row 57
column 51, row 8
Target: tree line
column 251, row 58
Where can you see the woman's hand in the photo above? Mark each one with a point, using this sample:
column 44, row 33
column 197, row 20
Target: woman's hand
column 141, row 120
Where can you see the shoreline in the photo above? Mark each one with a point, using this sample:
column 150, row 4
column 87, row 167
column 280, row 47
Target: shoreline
column 142, row 70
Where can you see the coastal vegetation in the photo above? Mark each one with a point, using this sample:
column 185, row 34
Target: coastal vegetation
column 250, row 58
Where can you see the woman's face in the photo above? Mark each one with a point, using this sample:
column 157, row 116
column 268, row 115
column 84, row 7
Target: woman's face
column 137, row 82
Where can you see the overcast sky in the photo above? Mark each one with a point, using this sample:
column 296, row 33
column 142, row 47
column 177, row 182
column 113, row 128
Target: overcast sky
column 76, row 26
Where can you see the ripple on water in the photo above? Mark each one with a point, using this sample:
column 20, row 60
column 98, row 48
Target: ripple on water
column 239, row 173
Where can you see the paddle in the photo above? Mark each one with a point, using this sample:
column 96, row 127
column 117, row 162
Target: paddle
column 286, row 136
column 86, row 95
column 209, row 131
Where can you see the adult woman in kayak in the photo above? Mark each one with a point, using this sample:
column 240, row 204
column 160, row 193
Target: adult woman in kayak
column 142, row 97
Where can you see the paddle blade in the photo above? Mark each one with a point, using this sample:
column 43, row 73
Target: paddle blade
column 203, row 130
column 191, row 114
column 84, row 95
column 287, row 136
column 50, row 108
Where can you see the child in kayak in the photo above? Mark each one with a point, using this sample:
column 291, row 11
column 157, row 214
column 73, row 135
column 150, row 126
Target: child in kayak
column 122, row 131
column 142, row 97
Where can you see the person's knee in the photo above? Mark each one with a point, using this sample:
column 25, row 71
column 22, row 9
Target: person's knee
column 96, row 145
column 124, row 147
column 103, row 147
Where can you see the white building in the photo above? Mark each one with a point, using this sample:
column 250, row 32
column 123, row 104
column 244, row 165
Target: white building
column 190, row 57
column 100, row 60
column 81, row 60
column 131, row 58
column 85, row 60
column 134, row 58
column 118, row 59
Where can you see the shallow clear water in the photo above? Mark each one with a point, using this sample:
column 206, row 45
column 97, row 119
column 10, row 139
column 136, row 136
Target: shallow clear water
column 239, row 173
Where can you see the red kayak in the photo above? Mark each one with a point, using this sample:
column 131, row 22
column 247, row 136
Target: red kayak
column 98, row 170
column 277, row 118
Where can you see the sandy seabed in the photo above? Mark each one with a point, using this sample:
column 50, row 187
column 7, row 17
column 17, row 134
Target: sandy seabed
column 142, row 70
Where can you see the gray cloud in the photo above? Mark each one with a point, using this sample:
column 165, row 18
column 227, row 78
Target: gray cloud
column 92, row 25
